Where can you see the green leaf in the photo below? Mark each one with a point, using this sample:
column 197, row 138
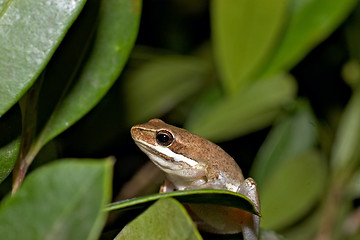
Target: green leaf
column 352, row 35
column 8, row 156
column 244, row 34
column 10, row 130
column 161, row 84
column 118, row 27
column 309, row 23
column 292, row 135
column 353, row 187
column 292, row 190
column 165, row 219
column 211, row 196
column 63, row 200
column 286, row 156
column 351, row 73
column 250, row 109
column 345, row 152
column 30, row 31
column 307, row 227
column 2, row 5
column 269, row 235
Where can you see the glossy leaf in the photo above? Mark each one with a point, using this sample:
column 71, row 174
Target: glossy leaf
column 63, row 200
column 118, row 27
column 30, row 31
column 8, row 156
column 292, row 190
column 292, row 135
column 165, row 219
column 161, row 84
column 250, row 109
column 309, row 23
column 345, row 152
column 244, row 34
column 212, row 196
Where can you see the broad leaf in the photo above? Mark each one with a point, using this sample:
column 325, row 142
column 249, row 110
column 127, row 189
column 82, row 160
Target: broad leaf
column 345, row 152
column 63, row 200
column 292, row 190
column 30, row 31
column 10, row 130
column 118, row 27
column 309, row 23
column 250, row 109
column 292, row 135
column 286, row 155
column 211, row 196
column 8, row 156
column 244, row 34
column 166, row 219
column 161, row 84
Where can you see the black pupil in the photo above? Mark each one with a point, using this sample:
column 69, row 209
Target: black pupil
column 163, row 138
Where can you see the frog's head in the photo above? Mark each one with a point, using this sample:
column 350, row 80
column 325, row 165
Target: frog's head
column 187, row 158
column 169, row 147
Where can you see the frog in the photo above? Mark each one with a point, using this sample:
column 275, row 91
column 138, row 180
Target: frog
column 192, row 162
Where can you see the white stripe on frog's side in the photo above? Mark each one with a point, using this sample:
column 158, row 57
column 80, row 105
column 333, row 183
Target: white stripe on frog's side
column 166, row 151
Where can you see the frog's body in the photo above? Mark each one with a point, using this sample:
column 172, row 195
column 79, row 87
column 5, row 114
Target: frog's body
column 192, row 162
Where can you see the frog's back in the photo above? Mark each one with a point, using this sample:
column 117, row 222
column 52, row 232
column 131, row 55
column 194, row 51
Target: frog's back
column 220, row 164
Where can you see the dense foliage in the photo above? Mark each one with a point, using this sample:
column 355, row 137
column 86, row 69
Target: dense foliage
column 275, row 83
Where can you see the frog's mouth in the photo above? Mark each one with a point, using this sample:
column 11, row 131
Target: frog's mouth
column 162, row 161
column 164, row 158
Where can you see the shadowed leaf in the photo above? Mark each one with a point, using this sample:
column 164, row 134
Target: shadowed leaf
column 211, row 196
column 248, row 110
column 165, row 219
column 345, row 152
column 63, row 200
column 309, row 23
column 292, row 190
column 8, row 156
column 293, row 134
column 161, row 84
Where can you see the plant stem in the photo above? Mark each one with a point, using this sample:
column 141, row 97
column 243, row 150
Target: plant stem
column 21, row 167
column 332, row 206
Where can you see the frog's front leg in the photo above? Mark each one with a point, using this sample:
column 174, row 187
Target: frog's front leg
column 251, row 222
column 167, row 186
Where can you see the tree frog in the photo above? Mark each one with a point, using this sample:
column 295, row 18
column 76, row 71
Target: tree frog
column 191, row 162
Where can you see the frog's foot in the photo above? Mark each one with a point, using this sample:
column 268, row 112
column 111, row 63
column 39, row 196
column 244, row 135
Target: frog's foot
column 251, row 222
column 167, row 186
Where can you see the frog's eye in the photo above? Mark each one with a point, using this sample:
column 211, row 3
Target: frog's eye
column 164, row 138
